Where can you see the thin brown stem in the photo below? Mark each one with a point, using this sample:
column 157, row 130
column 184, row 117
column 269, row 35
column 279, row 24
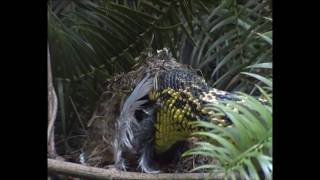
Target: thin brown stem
column 77, row 170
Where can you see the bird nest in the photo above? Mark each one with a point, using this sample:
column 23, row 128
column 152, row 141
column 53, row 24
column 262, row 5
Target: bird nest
column 98, row 149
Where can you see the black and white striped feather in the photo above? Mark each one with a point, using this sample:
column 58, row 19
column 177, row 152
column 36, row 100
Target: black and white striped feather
column 127, row 123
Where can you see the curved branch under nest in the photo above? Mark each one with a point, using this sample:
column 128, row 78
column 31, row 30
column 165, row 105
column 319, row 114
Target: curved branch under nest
column 82, row 171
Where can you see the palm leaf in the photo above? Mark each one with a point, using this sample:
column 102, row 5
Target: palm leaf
column 243, row 152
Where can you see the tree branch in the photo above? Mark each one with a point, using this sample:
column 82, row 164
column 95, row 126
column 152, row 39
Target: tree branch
column 77, row 170
column 52, row 110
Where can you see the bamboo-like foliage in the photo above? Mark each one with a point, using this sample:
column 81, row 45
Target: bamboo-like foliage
column 244, row 149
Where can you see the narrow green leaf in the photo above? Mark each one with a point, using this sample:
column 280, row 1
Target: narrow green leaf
column 267, row 36
column 227, row 58
column 264, row 93
column 186, row 13
column 208, row 58
column 207, row 166
column 188, row 35
column 62, row 106
column 133, row 13
column 223, row 23
column 221, row 140
column 261, row 65
column 149, row 5
column 225, row 76
column 259, row 77
column 170, row 27
column 203, row 6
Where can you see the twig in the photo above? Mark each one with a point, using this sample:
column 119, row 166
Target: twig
column 52, row 111
column 77, row 113
column 77, row 170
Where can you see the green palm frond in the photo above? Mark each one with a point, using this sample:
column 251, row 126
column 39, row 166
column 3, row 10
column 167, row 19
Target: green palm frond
column 262, row 72
column 244, row 149
column 219, row 38
column 232, row 37
column 109, row 35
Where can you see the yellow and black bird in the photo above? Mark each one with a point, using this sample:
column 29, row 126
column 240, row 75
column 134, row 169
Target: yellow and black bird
column 161, row 109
